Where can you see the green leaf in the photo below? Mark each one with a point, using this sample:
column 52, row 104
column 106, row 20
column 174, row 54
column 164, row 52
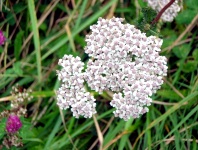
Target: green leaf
column 18, row 7
column 31, row 135
column 182, row 51
column 193, row 4
column 43, row 27
column 195, row 54
column 10, row 18
column 190, row 66
column 17, row 68
column 80, row 40
column 169, row 40
column 18, row 44
column 169, row 94
column 186, row 16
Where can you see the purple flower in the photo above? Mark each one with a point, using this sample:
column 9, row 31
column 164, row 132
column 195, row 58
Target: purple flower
column 13, row 124
column 2, row 38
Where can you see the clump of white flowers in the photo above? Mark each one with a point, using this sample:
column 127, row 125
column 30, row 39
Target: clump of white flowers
column 123, row 60
column 72, row 93
column 170, row 13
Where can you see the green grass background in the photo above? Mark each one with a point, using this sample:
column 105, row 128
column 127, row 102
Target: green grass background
column 39, row 32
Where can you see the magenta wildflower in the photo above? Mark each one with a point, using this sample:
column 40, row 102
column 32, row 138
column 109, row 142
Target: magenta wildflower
column 13, row 124
column 2, row 38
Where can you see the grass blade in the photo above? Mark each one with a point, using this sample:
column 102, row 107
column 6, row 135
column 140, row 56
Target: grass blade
column 89, row 21
column 170, row 111
column 33, row 18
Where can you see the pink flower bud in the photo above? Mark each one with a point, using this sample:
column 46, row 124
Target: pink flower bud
column 13, row 124
column 2, row 38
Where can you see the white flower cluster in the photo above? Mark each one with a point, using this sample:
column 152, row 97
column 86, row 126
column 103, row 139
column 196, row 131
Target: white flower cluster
column 72, row 93
column 170, row 13
column 127, row 62
column 123, row 60
column 20, row 96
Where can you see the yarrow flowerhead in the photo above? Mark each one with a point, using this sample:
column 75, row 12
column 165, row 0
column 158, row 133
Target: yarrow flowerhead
column 170, row 13
column 72, row 93
column 13, row 124
column 123, row 60
column 2, row 38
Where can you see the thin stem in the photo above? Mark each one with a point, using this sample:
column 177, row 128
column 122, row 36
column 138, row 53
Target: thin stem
column 8, row 98
column 64, row 125
column 100, row 136
column 162, row 11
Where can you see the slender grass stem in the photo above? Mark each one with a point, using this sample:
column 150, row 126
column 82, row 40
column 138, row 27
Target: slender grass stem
column 34, row 25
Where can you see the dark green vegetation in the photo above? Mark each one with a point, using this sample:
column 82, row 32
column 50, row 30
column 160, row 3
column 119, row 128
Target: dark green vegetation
column 30, row 58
